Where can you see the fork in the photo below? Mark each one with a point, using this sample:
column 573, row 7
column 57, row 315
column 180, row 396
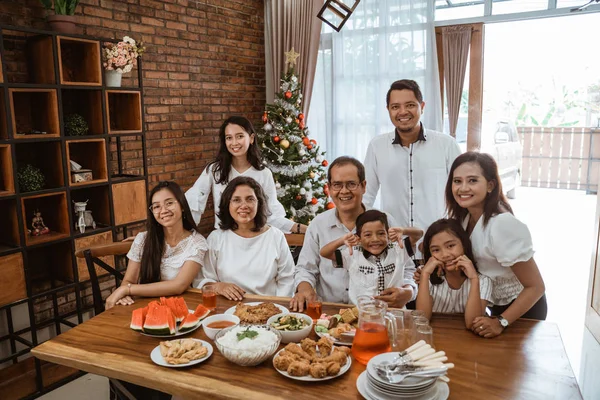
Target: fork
column 397, row 377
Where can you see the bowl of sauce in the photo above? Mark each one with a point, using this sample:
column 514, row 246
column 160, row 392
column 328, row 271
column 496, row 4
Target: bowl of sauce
column 213, row 324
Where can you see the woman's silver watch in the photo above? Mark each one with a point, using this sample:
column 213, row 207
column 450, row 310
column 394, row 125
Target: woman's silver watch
column 503, row 321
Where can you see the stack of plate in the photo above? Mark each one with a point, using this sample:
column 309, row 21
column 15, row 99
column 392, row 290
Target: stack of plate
column 373, row 387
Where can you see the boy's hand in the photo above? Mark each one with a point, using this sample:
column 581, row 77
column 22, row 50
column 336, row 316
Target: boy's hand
column 395, row 235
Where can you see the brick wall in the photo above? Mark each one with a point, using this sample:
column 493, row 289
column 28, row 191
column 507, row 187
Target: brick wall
column 204, row 62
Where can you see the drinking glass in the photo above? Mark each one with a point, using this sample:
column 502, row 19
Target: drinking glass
column 403, row 333
column 424, row 332
column 209, row 297
column 417, row 313
column 417, row 323
column 314, row 308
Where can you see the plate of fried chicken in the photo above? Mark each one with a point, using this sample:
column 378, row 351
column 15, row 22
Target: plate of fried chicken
column 257, row 312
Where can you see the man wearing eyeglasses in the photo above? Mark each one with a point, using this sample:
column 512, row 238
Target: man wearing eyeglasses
column 317, row 276
column 411, row 163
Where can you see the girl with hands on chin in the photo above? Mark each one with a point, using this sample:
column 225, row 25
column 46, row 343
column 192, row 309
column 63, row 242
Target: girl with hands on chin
column 450, row 281
column 377, row 267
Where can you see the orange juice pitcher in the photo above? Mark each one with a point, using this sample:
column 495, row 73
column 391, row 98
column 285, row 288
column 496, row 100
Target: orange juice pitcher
column 376, row 329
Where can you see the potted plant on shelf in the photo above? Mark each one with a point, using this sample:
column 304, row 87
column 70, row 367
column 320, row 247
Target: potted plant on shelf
column 63, row 19
column 75, row 125
column 120, row 58
column 30, row 178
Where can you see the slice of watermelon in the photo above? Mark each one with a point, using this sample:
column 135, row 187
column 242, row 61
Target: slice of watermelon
column 138, row 316
column 159, row 321
column 201, row 311
column 177, row 306
column 189, row 323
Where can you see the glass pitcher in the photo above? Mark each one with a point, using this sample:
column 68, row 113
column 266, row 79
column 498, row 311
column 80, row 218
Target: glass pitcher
column 376, row 329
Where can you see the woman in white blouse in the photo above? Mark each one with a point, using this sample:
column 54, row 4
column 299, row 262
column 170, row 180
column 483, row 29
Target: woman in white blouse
column 502, row 244
column 166, row 259
column 246, row 254
column 239, row 155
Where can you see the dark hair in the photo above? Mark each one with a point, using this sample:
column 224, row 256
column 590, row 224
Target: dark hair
column 154, row 245
column 260, row 220
column 404, row 84
column 454, row 228
column 495, row 201
column 222, row 163
column 371, row 216
column 345, row 160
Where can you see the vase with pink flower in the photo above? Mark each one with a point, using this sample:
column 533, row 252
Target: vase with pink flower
column 120, row 58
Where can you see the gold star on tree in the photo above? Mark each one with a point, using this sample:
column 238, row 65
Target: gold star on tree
column 291, row 56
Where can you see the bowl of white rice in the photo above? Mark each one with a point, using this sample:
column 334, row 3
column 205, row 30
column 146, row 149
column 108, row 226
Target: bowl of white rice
column 248, row 345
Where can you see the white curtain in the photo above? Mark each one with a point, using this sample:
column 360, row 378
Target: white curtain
column 383, row 41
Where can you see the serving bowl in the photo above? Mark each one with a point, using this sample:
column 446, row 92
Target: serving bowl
column 212, row 332
column 247, row 352
column 293, row 336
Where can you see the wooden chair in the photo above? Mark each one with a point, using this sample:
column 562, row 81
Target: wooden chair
column 295, row 241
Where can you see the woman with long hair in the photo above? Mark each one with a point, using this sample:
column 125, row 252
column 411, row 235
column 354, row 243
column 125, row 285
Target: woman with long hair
column 239, row 155
column 502, row 244
column 166, row 258
column 246, row 254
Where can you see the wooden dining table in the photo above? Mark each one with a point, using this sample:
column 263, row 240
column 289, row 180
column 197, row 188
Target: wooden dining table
column 528, row 361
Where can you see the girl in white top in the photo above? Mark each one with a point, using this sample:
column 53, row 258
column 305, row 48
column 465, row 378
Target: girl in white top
column 376, row 264
column 450, row 281
column 246, row 254
column 166, row 259
column 501, row 244
column 239, row 155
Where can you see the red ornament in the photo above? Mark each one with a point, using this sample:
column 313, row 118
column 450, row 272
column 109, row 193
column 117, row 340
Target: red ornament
column 288, row 94
column 314, row 200
column 298, row 197
column 300, row 116
column 330, row 205
column 276, row 139
column 264, row 117
column 309, row 147
column 301, row 125
column 313, row 141
column 324, row 163
column 305, row 141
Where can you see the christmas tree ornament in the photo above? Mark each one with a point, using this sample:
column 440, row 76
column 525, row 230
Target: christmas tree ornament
column 290, row 58
column 297, row 121
column 313, row 141
column 277, row 185
column 312, row 175
column 309, row 147
column 288, row 94
column 284, row 144
column 319, row 159
column 265, row 119
column 264, row 146
column 281, row 151
column 298, row 197
column 302, row 191
column 301, row 125
column 268, row 127
column 276, row 139
column 307, row 133
column 330, row 205
column 324, row 163
column 301, row 117
column 289, row 120
column 305, row 141
column 314, row 200
column 301, row 152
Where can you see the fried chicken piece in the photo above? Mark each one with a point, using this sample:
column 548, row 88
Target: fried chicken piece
column 295, row 349
column 176, row 360
column 258, row 314
column 309, row 346
column 325, row 346
column 318, row 370
column 298, row 368
column 333, row 368
column 343, row 349
column 282, row 363
column 336, row 356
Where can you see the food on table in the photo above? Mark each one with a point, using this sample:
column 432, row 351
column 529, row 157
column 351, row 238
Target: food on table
column 349, row 315
column 201, row 311
column 317, row 359
column 289, row 322
column 336, row 325
column 189, row 322
column 221, row 324
column 159, row 320
column 162, row 317
column 246, row 345
column 177, row 305
column 138, row 316
column 182, row 351
column 258, row 314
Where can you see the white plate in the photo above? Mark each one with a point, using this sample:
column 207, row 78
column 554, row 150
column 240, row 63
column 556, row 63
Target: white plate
column 335, row 341
column 158, row 358
column 231, row 310
column 309, row 378
column 177, row 333
column 410, row 383
column 441, row 391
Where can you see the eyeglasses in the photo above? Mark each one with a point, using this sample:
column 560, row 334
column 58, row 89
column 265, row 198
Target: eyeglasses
column 169, row 205
column 237, row 201
column 350, row 185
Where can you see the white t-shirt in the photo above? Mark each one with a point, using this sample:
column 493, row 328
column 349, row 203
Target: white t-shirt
column 502, row 243
column 369, row 276
column 197, row 195
column 448, row 300
column 192, row 248
column 260, row 265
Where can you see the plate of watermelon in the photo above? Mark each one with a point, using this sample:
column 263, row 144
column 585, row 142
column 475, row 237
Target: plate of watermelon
column 169, row 317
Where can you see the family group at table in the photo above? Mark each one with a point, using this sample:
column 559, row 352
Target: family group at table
column 441, row 211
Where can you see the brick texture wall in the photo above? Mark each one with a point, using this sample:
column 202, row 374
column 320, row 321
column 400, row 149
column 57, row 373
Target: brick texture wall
column 204, row 62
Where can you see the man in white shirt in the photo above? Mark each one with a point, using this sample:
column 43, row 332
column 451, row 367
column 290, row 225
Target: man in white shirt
column 411, row 163
column 317, row 276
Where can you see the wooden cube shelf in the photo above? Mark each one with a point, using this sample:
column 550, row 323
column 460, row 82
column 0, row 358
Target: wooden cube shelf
column 90, row 241
column 129, row 202
column 97, row 202
column 88, row 104
column 54, row 210
column 34, row 110
column 40, row 56
column 124, row 111
column 79, row 61
column 9, row 223
column 3, row 119
column 1, row 74
column 50, row 266
column 90, row 154
column 12, row 284
column 47, row 156
column 7, row 184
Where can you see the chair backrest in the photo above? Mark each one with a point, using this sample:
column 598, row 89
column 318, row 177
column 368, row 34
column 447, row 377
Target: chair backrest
column 295, row 241
column 92, row 257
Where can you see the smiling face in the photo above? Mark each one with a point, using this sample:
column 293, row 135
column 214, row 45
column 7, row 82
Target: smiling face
column 346, row 199
column 446, row 247
column 469, row 186
column 374, row 237
column 166, row 209
column 237, row 140
column 405, row 110
column 243, row 205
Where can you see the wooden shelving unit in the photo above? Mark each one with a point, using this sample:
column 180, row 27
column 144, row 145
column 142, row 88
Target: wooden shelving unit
column 49, row 78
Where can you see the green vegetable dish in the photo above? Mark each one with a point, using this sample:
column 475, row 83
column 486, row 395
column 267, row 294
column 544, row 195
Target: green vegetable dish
column 289, row 323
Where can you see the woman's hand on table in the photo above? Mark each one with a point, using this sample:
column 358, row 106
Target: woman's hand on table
column 117, row 296
column 126, row 301
column 487, row 327
column 230, row 291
